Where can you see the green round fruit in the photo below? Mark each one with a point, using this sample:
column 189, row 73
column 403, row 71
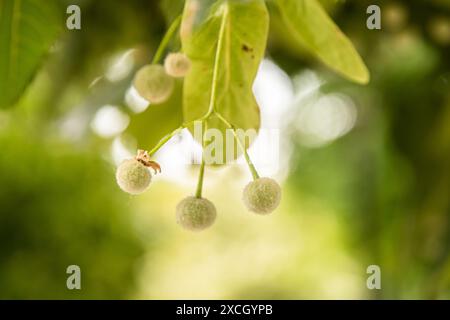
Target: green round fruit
column 177, row 65
column 195, row 214
column 154, row 84
column 262, row 196
column 133, row 177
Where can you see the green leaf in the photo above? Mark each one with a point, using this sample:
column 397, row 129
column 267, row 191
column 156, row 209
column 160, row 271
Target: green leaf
column 27, row 30
column 157, row 121
column 242, row 27
column 309, row 24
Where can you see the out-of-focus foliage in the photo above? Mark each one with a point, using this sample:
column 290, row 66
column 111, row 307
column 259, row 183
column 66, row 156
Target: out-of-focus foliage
column 389, row 180
column 27, row 30
column 58, row 208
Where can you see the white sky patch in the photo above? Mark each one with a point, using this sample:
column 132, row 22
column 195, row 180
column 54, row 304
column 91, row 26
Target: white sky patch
column 109, row 121
column 120, row 66
column 135, row 102
column 307, row 84
column 274, row 92
column 74, row 125
column 325, row 119
column 177, row 156
column 120, row 152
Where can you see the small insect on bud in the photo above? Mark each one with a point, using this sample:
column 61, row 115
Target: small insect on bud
column 154, row 84
column 195, row 214
column 262, row 196
column 177, row 65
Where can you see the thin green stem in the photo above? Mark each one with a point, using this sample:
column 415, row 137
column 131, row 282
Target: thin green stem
column 241, row 145
column 165, row 139
column 198, row 193
column 170, row 136
column 166, row 39
column 212, row 101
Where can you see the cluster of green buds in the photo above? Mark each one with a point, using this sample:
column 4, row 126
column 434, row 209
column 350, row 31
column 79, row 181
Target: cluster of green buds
column 155, row 83
column 195, row 213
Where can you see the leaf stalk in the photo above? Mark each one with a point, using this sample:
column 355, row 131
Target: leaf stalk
column 166, row 39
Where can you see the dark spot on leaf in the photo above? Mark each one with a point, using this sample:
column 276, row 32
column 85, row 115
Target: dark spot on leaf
column 247, row 48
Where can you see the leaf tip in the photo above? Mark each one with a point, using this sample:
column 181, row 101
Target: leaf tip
column 363, row 77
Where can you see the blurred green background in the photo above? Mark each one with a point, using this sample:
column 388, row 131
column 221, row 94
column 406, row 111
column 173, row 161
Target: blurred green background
column 366, row 180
